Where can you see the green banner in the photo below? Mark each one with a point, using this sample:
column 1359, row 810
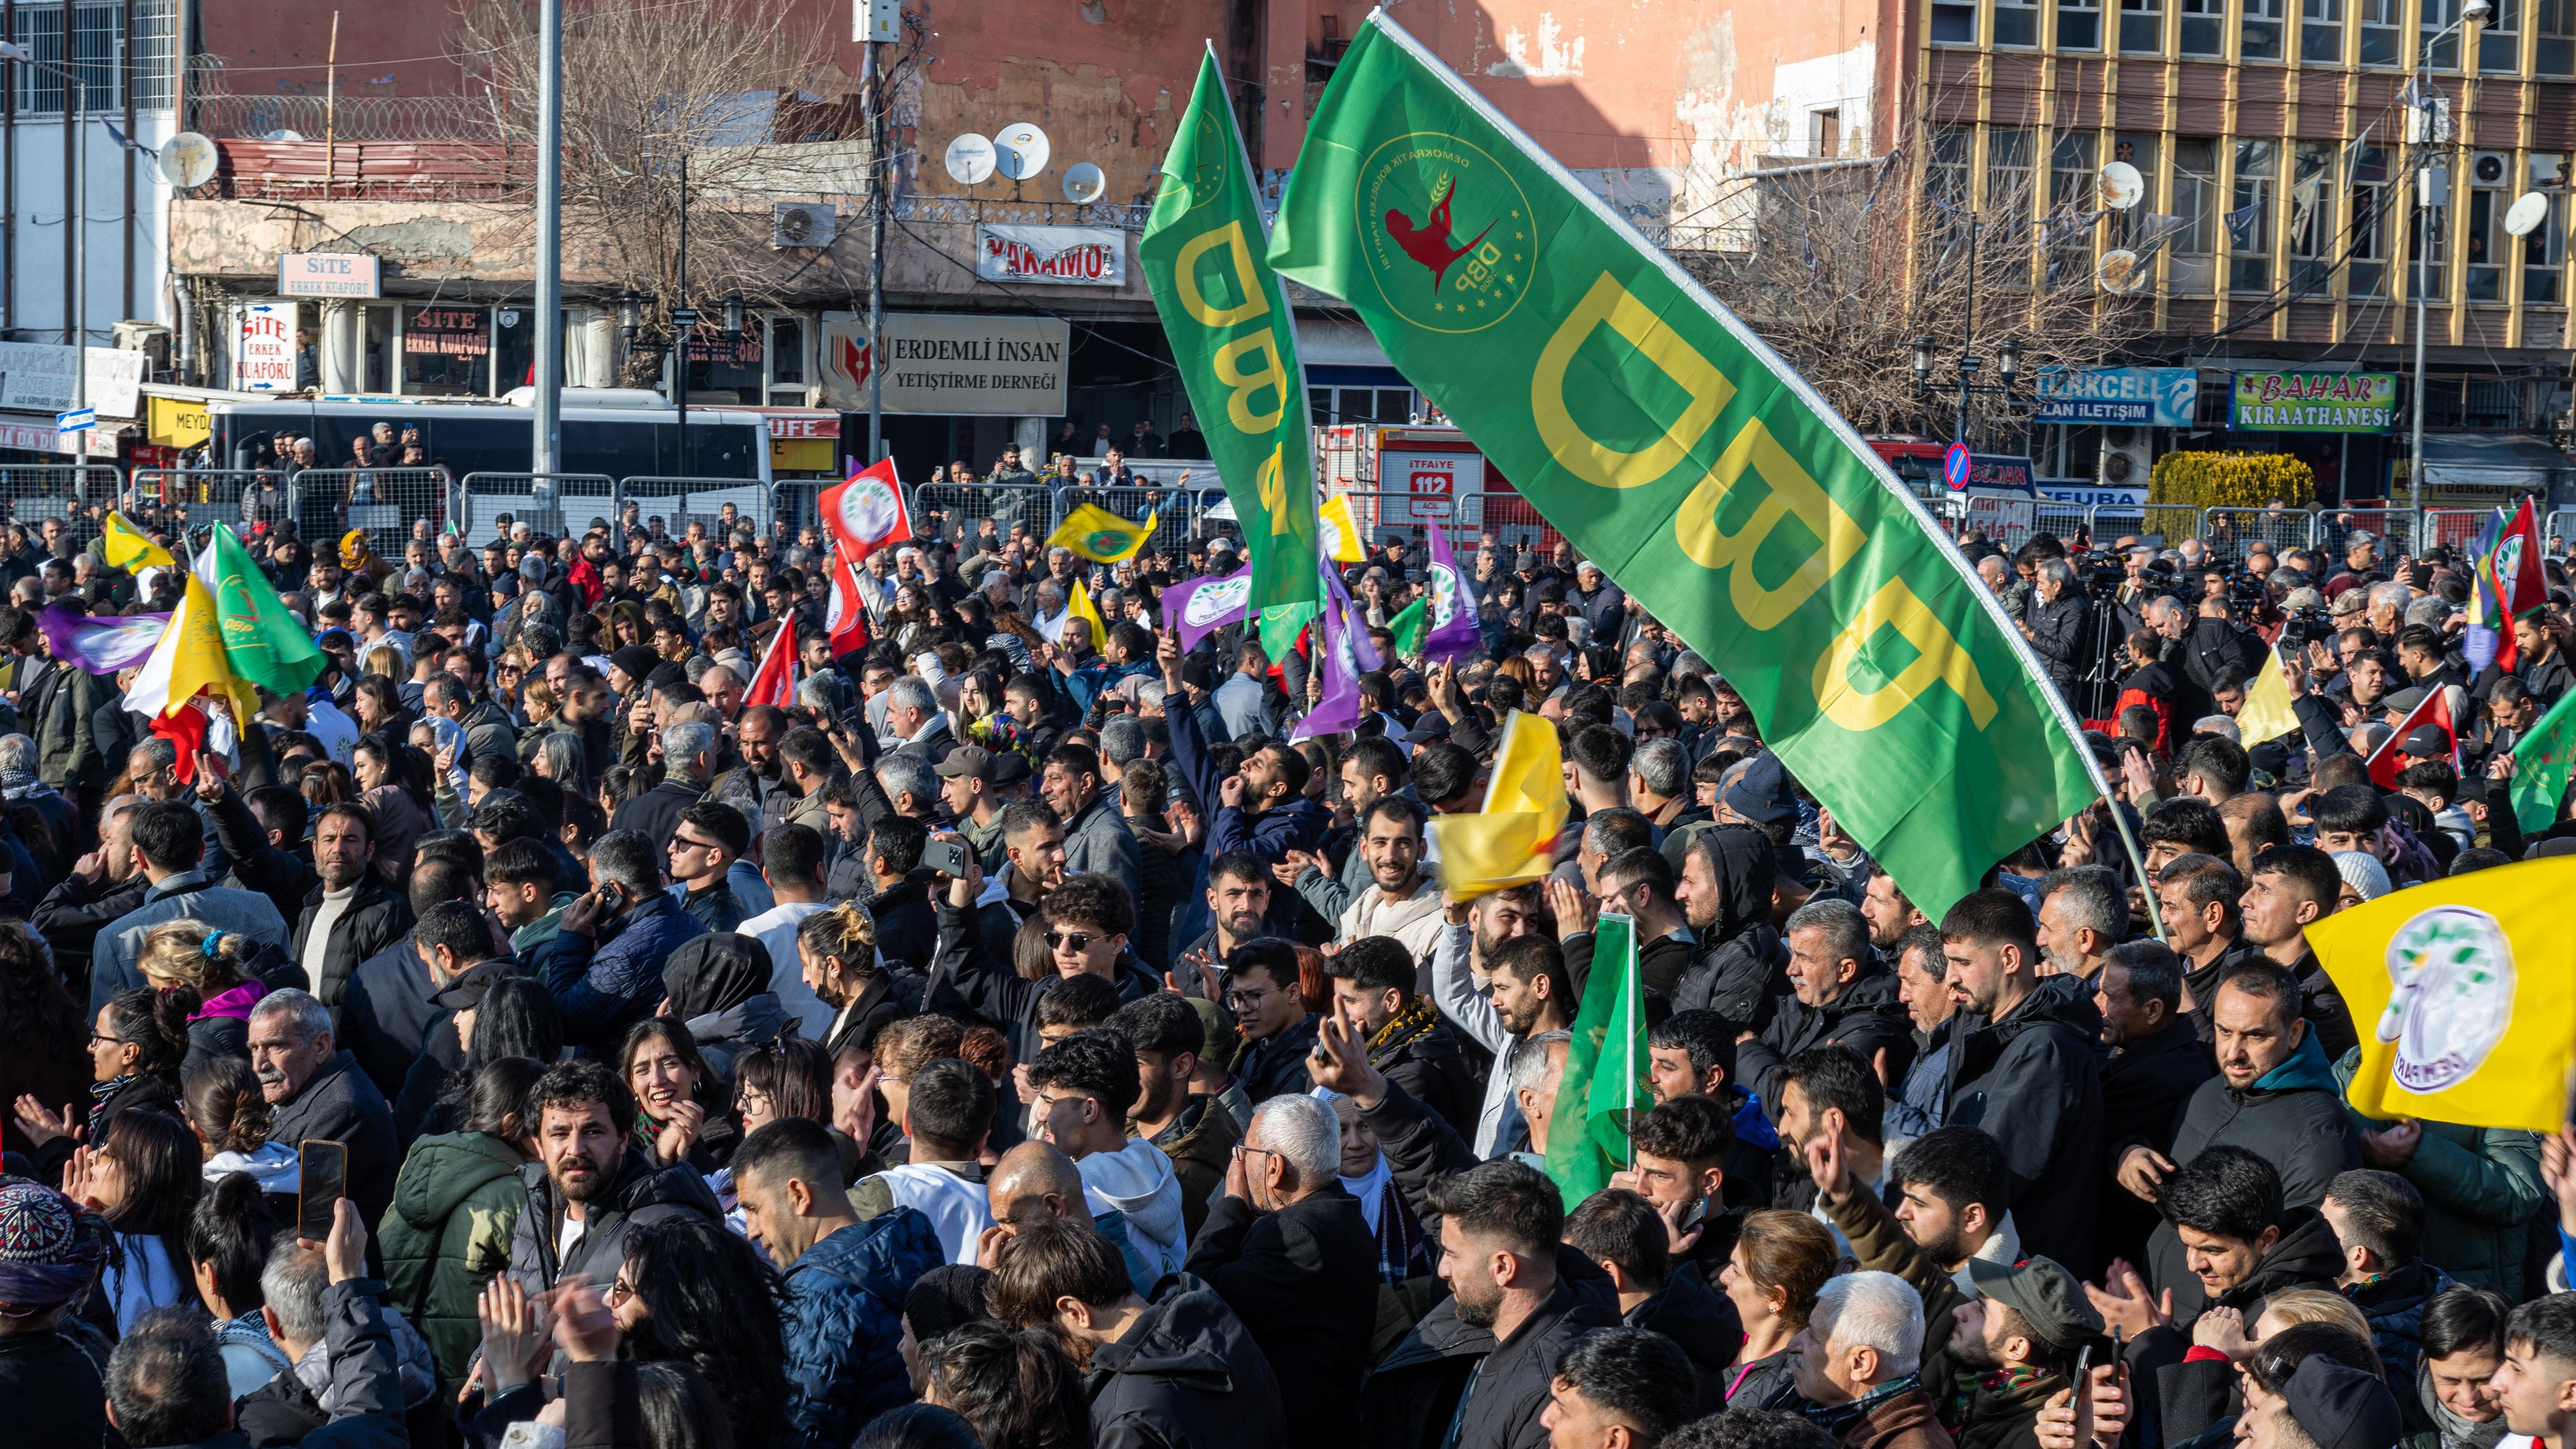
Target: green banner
column 1655, row 431
column 2543, row 758
column 1604, row 1086
column 1235, row 343
column 2314, row 402
column 265, row 643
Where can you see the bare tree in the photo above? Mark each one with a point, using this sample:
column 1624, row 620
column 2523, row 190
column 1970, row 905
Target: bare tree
column 1848, row 267
column 698, row 99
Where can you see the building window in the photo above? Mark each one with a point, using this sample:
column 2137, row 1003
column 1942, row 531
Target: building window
column 787, row 359
column 447, row 350
column 2070, row 209
column 2139, row 150
column 2200, row 27
column 2379, row 31
column 2440, row 49
column 1953, row 23
column 2249, row 219
column 2260, row 38
column 2321, row 31
column 2007, row 204
column 2367, row 273
column 1945, row 178
column 2500, row 44
column 98, row 56
column 2195, row 205
column 2079, row 24
column 2142, row 26
column 2554, row 52
column 1825, row 134
column 2312, row 217
column 2017, row 23
column 2544, row 251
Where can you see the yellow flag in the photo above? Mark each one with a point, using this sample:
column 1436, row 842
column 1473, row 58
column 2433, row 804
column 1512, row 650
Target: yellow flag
column 1080, row 607
column 1101, row 536
column 1340, row 529
column 2465, row 993
column 1514, row 838
column 2266, row 713
column 125, row 547
column 189, row 658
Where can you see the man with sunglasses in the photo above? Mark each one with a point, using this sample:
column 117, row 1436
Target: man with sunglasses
column 710, row 836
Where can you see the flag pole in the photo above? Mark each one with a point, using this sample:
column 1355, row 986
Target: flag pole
column 2138, row 864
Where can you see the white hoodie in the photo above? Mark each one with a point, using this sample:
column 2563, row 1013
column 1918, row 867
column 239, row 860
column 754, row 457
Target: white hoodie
column 1137, row 1181
column 273, row 1166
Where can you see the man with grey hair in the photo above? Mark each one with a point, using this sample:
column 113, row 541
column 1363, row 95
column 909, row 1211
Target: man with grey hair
column 1861, row 1348
column 911, row 786
column 315, row 1092
column 2059, row 624
column 2083, row 913
column 913, row 716
column 604, row 966
column 1291, row 1253
column 1659, row 782
column 1839, row 994
column 487, row 726
column 688, row 766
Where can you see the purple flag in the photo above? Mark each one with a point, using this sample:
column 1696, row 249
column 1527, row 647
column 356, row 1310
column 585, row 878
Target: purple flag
column 1339, row 707
column 1453, row 633
column 1196, row 608
column 101, row 645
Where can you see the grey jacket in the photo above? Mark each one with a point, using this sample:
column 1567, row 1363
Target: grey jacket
column 1098, row 841
column 189, row 895
column 1453, row 991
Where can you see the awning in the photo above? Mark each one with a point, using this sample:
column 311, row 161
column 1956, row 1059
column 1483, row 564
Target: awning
column 2494, row 460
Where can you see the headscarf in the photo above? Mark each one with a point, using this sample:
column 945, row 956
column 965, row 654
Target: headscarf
column 356, row 553
column 714, row 972
column 1403, row 1248
column 49, row 1249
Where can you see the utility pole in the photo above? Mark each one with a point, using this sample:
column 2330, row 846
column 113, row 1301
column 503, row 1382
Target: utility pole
column 546, row 454
column 870, row 102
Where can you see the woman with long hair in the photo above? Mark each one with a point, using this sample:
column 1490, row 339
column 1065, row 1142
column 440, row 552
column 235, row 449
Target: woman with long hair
column 394, row 784
column 40, row 1028
column 378, row 707
column 692, row 1292
column 456, row 1204
column 135, row 1048
column 660, row 1063
column 629, row 626
column 791, row 1078
column 214, row 967
column 228, row 1243
column 326, row 782
column 1019, row 1390
column 1780, row 1260
column 142, row 1177
column 232, row 1121
column 557, row 755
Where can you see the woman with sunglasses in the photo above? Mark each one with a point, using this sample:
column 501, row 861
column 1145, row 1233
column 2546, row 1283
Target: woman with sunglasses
column 135, row 1049
column 693, row 1293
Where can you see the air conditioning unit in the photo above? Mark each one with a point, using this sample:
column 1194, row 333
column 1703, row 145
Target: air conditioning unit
column 2490, row 168
column 2127, row 455
column 802, row 224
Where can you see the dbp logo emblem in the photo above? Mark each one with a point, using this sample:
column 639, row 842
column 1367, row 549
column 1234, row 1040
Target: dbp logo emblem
column 1217, row 601
column 869, row 509
column 1450, row 250
column 1444, row 594
column 2453, row 971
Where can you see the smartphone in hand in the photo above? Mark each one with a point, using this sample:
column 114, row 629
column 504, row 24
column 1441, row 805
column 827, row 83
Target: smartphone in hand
column 322, row 1170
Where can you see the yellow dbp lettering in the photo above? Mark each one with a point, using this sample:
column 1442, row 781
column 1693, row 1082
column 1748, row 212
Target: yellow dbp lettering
column 1939, row 657
column 1792, row 493
column 1577, row 451
column 1185, row 277
column 1244, row 383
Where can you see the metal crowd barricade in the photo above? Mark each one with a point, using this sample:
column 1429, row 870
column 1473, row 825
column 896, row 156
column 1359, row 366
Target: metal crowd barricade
column 388, row 504
column 77, row 493
column 679, row 502
column 1412, row 516
column 2453, row 527
column 2558, row 526
column 2393, row 527
column 2062, row 521
column 2228, row 531
column 952, row 510
column 490, row 505
column 249, row 499
column 2171, row 522
column 799, row 502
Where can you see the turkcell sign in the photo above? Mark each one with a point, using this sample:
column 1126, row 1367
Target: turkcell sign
column 2159, row 397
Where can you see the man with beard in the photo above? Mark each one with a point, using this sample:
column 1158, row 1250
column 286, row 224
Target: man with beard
column 1193, row 1129
column 2156, row 1063
column 315, row 1092
column 2197, row 895
column 757, row 781
column 1373, row 992
column 1889, row 913
column 1269, row 1005
column 1838, row 994
column 1915, row 1104
column 591, row 1184
column 1401, row 901
column 1238, row 899
column 1529, row 997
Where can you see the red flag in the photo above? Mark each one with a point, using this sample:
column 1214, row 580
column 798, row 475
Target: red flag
column 2519, row 580
column 775, row 683
column 2434, row 711
column 848, row 620
column 866, row 512
column 185, row 729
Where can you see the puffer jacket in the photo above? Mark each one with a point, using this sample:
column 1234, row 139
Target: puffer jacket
column 2393, row 1303
column 843, row 1322
column 1200, row 1143
column 2034, row 1080
column 2481, row 1187
column 1867, row 1017
column 1743, row 972
column 1187, row 1375
column 456, row 1205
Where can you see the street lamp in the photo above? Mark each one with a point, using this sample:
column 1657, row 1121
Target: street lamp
column 2477, row 10
column 75, row 222
column 734, row 318
column 630, row 313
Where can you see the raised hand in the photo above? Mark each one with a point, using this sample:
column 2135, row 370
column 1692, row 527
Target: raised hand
column 1340, row 1063
column 514, row 1334
column 40, row 1125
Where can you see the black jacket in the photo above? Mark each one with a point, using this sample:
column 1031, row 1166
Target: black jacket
column 1303, row 1282
column 643, row 1193
column 52, row 1392
column 656, row 812
column 1867, row 1017
column 2191, row 1395
column 1433, row 1067
column 2061, row 634
column 385, row 1014
column 285, row 877
column 967, row 978
column 1740, row 973
column 1703, row 1322
column 1276, row 1065
column 1186, row 1375
column 73, row 913
column 1419, row 1145
column 2034, row 1080
column 2144, row 1086
column 338, row 1104
column 907, row 928
column 1414, row 1393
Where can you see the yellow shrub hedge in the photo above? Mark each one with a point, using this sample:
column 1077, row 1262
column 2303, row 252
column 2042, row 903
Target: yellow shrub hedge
column 2231, row 480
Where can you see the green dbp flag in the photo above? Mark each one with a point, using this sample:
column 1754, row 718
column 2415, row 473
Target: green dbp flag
column 1604, row 1086
column 265, row 643
column 2542, row 760
column 1235, row 344
column 1658, row 433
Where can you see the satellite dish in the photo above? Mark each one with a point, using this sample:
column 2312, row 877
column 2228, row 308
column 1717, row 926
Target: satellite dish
column 187, row 160
column 970, row 160
column 2122, row 272
column 2122, row 186
column 2526, row 214
column 1083, row 183
column 1023, row 149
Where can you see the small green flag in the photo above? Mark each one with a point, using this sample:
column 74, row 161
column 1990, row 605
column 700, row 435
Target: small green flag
column 1234, row 343
column 1408, row 625
column 2542, row 761
column 1604, row 1087
column 263, row 641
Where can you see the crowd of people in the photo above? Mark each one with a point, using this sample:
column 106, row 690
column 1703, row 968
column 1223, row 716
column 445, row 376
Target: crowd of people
column 1022, row 1040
